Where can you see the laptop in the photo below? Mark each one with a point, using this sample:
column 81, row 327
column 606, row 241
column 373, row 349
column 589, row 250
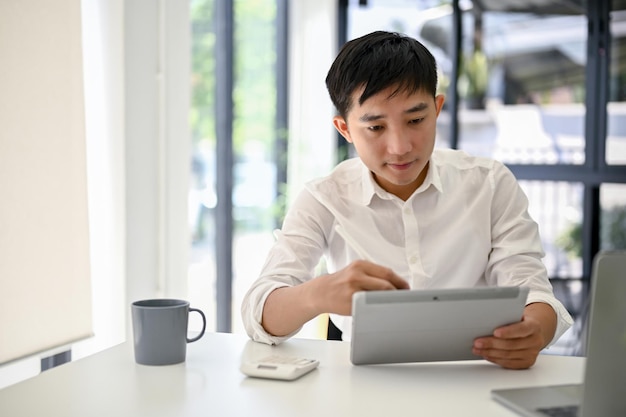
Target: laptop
column 603, row 392
column 428, row 325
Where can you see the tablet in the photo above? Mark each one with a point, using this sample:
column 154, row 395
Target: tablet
column 429, row 325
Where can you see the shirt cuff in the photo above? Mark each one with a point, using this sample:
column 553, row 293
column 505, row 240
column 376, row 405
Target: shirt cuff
column 252, row 313
column 564, row 320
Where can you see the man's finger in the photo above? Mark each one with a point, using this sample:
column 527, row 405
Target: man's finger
column 514, row 331
column 380, row 272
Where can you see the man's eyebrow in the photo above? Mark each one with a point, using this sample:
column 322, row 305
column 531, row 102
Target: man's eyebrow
column 367, row 117
column 418, row 107
column 371, row 117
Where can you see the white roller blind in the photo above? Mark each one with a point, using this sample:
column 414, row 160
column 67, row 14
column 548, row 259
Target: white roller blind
column 45, row 296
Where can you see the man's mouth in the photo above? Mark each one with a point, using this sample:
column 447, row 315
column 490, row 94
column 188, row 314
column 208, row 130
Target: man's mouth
column 400, row 165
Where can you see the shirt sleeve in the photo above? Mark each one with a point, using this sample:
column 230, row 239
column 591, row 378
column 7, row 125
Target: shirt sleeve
column 291, row 261
column 515, row 259
column 252, row 312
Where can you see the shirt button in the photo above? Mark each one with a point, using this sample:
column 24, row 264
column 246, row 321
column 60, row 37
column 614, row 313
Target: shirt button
column 413, row 259
column 407, row 210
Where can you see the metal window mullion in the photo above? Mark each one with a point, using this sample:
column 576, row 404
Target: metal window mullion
column 453, row 103
column 282, row 97
column 343, row 148
column 595, row 125
column 224, row 34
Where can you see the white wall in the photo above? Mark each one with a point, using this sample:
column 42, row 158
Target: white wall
column 157, row 159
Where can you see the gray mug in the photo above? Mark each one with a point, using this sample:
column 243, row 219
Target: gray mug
column 160, row 330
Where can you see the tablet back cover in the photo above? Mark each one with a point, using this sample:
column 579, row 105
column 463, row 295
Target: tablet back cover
column 429, row 325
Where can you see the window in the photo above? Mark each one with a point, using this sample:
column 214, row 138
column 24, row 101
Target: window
column 530, row 93
column 523, row 81
column 613, row 216
column 616, row 122
column 254, row 169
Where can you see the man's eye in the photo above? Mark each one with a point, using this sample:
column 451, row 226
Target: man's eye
column 374, row 128
column 416, row 121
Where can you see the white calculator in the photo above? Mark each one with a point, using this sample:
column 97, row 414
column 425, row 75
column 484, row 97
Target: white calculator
column 279, row 367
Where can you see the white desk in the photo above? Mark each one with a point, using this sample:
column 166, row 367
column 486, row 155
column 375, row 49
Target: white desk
column 210, row 384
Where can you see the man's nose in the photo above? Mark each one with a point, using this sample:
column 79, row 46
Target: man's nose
column 398, row 142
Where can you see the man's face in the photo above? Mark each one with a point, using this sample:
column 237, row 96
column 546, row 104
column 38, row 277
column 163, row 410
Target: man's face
column 394, row 136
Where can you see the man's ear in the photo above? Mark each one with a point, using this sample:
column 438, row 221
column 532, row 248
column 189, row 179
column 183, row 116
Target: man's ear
column 439, row 100
column 342, row 127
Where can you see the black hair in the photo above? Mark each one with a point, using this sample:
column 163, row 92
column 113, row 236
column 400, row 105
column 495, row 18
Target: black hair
column 377, row 61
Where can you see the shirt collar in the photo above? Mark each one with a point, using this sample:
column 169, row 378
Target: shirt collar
column 434, row 167
column 371, row 187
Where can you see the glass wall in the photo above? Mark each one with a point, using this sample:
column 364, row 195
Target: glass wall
column 613, row 195
column 557, row 207
column 522, row 89
column 254, row 188
column 202, row 197
column 524, row 77
column 523, row 96
column 616, row 122
column 521, row 93
column 613, row 217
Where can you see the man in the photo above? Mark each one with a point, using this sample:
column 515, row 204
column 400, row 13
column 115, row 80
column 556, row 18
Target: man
column 426, row 218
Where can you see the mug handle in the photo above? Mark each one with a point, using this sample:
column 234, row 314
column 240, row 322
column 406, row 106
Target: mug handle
column 203, row 325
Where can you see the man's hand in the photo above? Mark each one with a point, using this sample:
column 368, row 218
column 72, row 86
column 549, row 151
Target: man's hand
column 517, row 345
column 335, row 290
column 288, row 308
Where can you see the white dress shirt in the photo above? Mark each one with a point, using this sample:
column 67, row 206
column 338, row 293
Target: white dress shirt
column 467, row 225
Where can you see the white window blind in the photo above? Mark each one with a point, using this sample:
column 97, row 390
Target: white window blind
column 45, row 295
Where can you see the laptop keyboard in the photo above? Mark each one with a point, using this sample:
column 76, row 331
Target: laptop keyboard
column 566, row 411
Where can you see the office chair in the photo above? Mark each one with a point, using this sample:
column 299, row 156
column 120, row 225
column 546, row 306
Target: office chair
column 333, row 332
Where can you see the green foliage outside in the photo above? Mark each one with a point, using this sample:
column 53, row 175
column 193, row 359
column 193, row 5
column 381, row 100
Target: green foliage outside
column 254, row 91
column 255, row 75
column 612, row 233
column 254, row 80
column 613, row 227
column 202, row 115
column 476, row 69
